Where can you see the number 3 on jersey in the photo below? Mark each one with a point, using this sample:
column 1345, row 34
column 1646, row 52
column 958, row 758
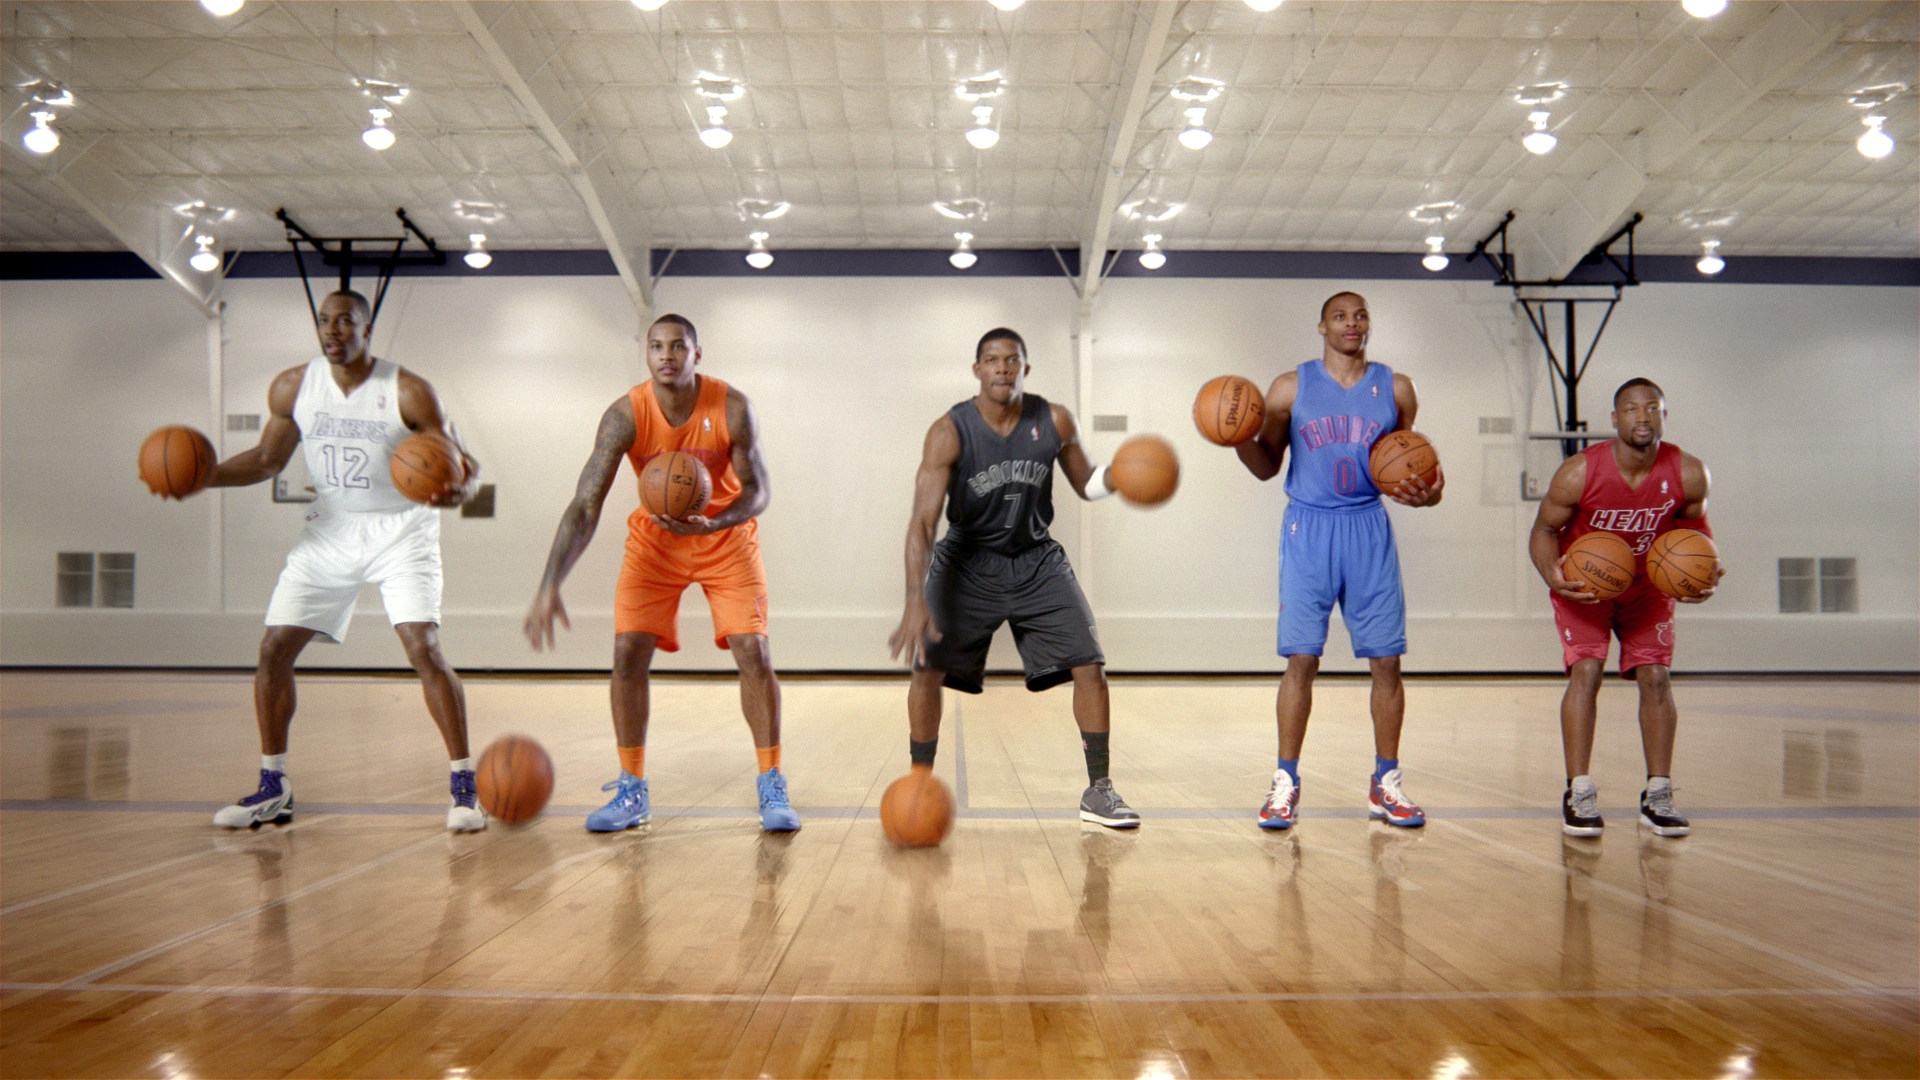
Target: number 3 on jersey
column 346, row 466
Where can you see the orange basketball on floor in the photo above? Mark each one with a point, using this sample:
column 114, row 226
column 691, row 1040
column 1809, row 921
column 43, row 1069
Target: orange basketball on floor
column 514, row 778
column 1682, row 563
column 1145, row 470
column 426, row 465
column 176, row 461
column 1229, row 410
column 1602, row 562
column 917, row 809
column 1400, row 454
column 675, row 484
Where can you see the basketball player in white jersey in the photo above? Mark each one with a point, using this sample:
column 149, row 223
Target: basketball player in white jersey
column 351, row 411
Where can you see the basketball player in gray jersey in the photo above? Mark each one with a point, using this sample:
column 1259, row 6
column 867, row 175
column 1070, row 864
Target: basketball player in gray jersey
column 990, row 460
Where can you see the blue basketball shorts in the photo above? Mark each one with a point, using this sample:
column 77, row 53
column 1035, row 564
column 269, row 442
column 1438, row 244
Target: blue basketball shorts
column 1345, row 557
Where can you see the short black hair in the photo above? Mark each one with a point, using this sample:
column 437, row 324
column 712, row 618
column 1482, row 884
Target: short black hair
column 1329, row 301
column 999, row 333
column 680, row 321
column 361, row 305
column 1631, row 383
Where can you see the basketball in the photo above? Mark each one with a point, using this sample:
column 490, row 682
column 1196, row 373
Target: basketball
column 675, row 485
column 1229, row 410
column 514, row 778
column 1145, row 470
column 1400, row 454
column 1602, row 562
column 917, row 809
column 426, row 465
column 1682, row 563
column 176, row 461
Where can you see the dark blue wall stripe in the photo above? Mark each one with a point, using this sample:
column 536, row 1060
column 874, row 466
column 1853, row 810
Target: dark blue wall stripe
column 1035, row 262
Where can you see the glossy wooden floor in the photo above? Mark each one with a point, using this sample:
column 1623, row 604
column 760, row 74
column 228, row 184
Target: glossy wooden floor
column 1782, row 938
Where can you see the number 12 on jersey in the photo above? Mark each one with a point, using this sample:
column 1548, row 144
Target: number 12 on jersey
column 346, row 466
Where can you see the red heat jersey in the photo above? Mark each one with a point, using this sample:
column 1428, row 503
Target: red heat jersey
column 704, row 435
column 1636, row 515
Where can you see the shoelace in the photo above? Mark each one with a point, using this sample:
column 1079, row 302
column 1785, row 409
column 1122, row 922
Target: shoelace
column 1390, row 788
column 269, row 789
column 464, row 792
column 1586, row 805
column 1661, row 803
column 773, row 789
column 628, row 792
column 1277, row 797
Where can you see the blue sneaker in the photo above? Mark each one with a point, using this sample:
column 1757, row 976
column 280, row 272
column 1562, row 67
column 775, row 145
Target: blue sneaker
column 629, row 807
column 776, row 813
column 271, row 805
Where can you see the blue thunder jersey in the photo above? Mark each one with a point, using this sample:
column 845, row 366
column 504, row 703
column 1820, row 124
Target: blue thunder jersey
column 1332, row 436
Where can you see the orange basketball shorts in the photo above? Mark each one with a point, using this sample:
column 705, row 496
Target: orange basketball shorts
column 659, row 566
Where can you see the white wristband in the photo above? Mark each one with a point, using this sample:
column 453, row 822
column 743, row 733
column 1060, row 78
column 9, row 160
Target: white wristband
column 1097, row 488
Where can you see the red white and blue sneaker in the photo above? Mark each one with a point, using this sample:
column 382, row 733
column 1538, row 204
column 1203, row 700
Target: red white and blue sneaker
column 465, row 815
column 1386, row 802
column 271, row 805
column 1283, row 802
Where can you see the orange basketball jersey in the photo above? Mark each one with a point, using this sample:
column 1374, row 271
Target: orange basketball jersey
column 704, row 435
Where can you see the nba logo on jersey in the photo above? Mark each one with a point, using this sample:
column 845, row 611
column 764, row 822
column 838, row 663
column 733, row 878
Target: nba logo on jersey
column 1663, row 487
column 1376, row 391
column 706, row 423
column 1034, row 430
column 383, row 401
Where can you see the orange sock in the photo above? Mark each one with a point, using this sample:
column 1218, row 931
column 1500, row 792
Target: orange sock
column 634, row 760
column 769, row 757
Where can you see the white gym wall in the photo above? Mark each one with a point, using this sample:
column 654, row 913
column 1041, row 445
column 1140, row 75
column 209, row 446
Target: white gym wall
column 1804, row 401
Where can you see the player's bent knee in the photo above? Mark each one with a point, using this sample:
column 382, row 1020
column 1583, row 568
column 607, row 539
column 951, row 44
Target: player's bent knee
column 752, row 653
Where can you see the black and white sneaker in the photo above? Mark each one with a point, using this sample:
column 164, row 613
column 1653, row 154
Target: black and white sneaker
column 1580, row 814
column 1657, row 813
column 1104, row 806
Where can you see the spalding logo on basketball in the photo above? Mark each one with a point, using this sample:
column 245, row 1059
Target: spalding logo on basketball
column 675, row 485
column 1602, row 562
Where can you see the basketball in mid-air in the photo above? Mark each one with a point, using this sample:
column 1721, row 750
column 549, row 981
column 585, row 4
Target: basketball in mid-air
column 1145, row 470
column 1602, row 562
column 917, row 809
column 176, row 461
column 1229, row 410
column 426, row 466
column 1400, row 454
column 1682, row 563
column 514, row 778
column 675, row 485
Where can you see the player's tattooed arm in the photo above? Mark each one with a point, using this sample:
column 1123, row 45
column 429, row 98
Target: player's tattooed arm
column 420, row 410
column 743, row 430
column 278, row 437
column 1694, row 482
column 1556, row 510
column 1073, row 456
column 937, row 459
column 579, row 519
column 1263, row 454
column 1414, row 490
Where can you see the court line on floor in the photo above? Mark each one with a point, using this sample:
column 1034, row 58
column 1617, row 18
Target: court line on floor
column 129, row 875
column 1867, row 991
column 1798, row 881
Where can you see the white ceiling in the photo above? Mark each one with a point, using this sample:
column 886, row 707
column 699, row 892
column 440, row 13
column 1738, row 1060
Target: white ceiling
column 1337, row 118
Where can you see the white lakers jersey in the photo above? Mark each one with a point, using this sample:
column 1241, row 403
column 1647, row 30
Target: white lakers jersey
column 349, row 439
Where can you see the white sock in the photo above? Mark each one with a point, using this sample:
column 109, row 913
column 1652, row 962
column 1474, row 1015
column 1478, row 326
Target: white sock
column 1657, row 785
column 464, row 764
column 276, row 762
column 1583, row 785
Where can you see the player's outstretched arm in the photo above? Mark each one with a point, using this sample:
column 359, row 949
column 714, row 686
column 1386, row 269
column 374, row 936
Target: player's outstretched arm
column 937, row 459
column 1414, row 490
column 743, row 430
column 1558, row 508
column 1694, row 482
column 579, row 519
column 1073, row 456
column 1263, row 454
column 420, row 410
column 278, row 437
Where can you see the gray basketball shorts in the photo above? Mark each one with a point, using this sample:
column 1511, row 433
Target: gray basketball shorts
column 971, row 592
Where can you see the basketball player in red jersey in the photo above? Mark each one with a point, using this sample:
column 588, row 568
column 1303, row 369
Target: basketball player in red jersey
column 1638, row 487
column 678, row 409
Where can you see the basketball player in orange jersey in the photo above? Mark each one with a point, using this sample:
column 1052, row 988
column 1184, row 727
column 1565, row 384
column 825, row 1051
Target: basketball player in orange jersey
column 678, row 409
column 351, row 411
column 1636, row 486
column 990, row 460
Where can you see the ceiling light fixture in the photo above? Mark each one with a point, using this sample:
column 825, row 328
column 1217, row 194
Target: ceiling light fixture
column 390, row 92
column 1718, row 217
column 1704, row 9
column 1539, row 140
column 715, row 134
column 1264, row 5
column 1152, row 258
column 718, row 87
column 1153, row 211
column 222, row 8
column 478, row 258
column 1876, row 143
column 759, row 257
column 1007, row 5
column 1435, row 260
column 1710, row 261
column 1867, row 97
column 485, row 213
column 1540, row 93
column 41, row 138
column 982, row 134
column 961, row 209
column 1196, row 137
column 963, row 257
column 762, row 209
column 1196, row 88
column 1435, row 213
column 206, row 260
column 379, row 136
column 649, row 5
column 981, row 86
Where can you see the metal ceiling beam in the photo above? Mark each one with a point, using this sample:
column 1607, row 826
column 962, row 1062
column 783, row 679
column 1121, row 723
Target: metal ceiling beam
column 521, row 62
column 1577, row 210
column 1144, row 60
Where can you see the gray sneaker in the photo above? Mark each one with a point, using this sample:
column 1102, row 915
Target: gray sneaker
column 1103, row 806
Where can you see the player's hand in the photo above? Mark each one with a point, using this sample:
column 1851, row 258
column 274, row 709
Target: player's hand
column 1557, row 581
column 691, row 525
column 1718, row 573
column 916, row 629
column 1415, row 491
column 539, row 626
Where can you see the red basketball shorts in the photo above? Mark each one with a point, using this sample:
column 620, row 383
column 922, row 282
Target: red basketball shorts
column 1641, row 617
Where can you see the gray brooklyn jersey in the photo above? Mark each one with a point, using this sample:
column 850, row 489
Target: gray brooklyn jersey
column 1000, row 495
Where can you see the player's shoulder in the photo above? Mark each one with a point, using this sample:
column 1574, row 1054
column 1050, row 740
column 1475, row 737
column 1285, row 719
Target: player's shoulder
column 1284, row 388
column 285, row 388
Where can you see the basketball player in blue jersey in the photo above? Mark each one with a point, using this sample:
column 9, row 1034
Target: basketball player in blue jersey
column 990, row 460
column 351, row 411
column 1336, row 544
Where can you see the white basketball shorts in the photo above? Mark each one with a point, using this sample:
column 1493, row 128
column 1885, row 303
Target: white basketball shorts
column 341, row 551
